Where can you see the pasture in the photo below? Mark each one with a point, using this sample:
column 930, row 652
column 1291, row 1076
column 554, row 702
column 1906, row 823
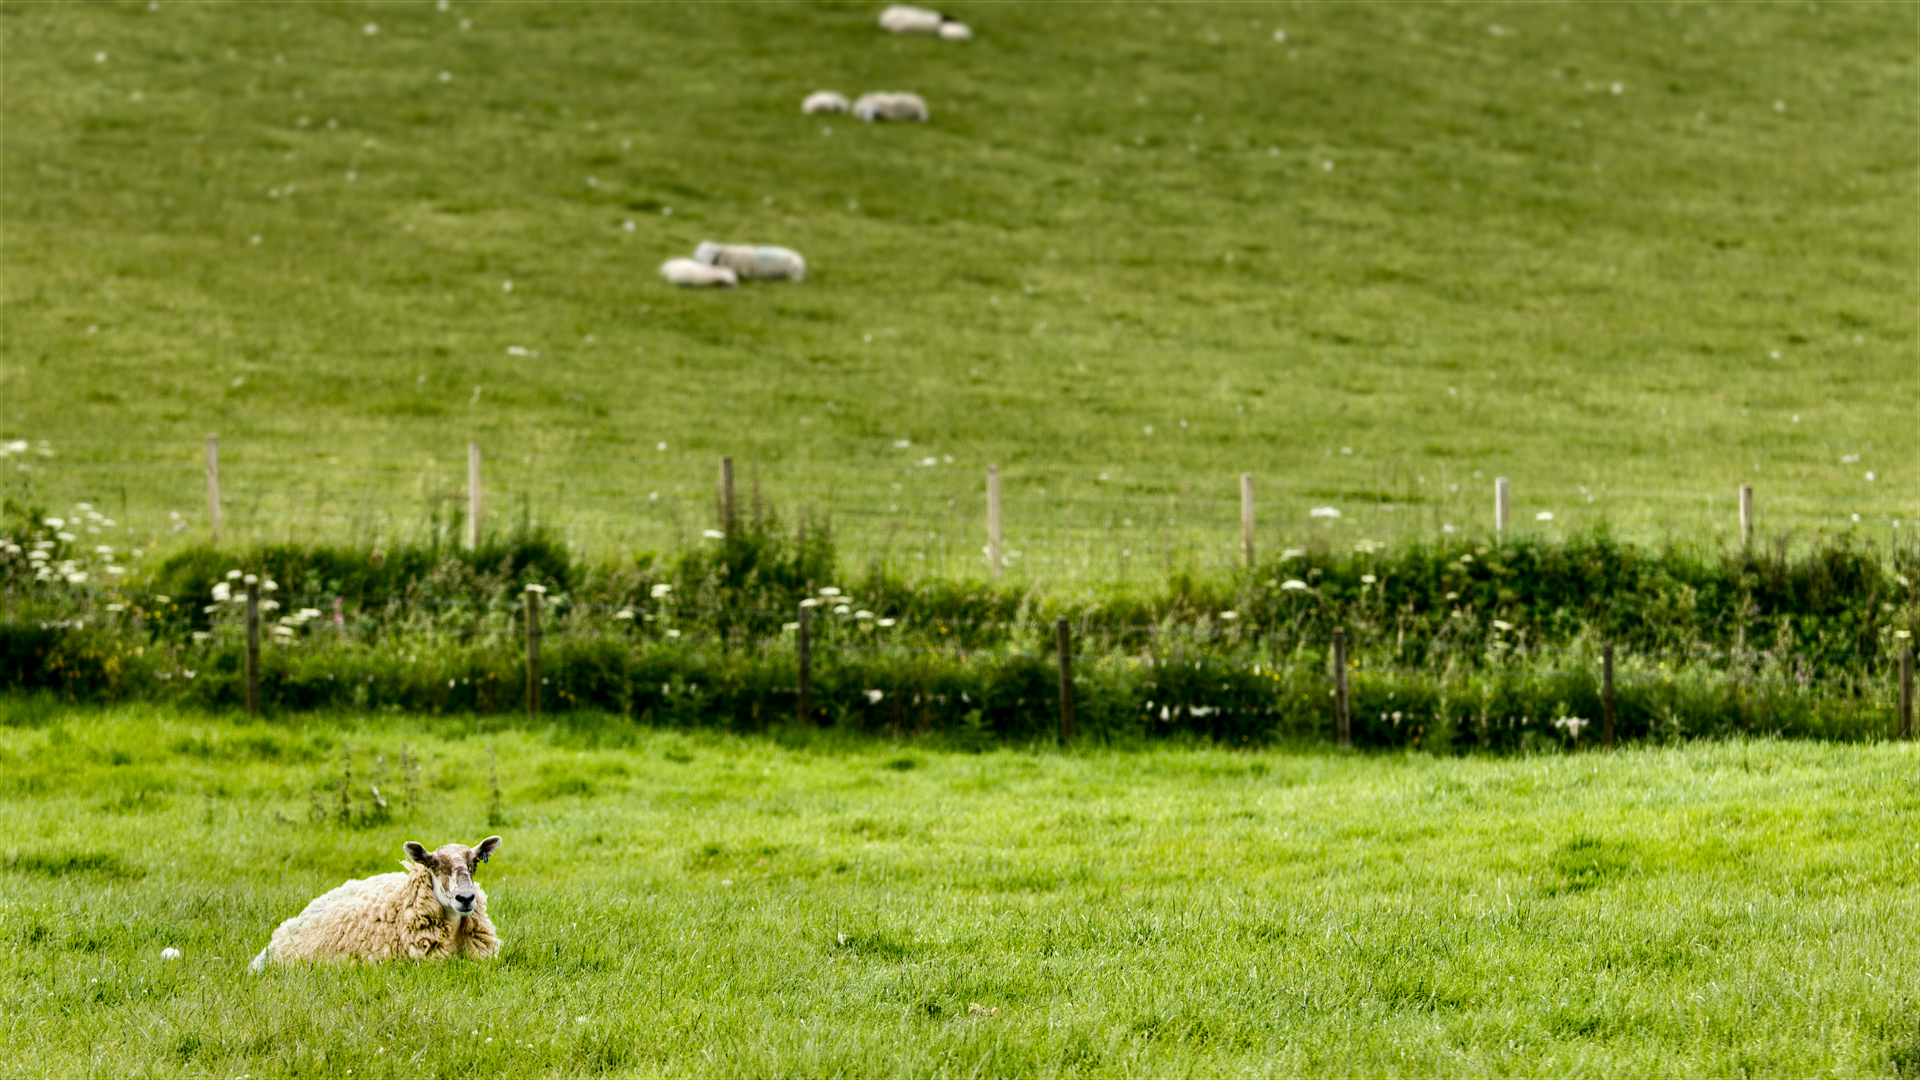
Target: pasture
column 1628, row 255
column 689, row 904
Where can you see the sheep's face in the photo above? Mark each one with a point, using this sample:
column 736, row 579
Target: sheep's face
column 451, row 870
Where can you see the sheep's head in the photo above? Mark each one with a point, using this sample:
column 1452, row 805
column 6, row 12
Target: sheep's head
column 451, row 870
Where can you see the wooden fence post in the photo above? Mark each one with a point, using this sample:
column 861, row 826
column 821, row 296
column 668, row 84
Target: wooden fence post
column 533, row 649
column 806, row 662
column 1342, row 719
column 993, row 521
column 473, row 496
column 1906, row 692
column 726, row 496
column 1246, row 519
column 213, row 487
column 1746, row 515
column 1500, row 493
column 1063, row 639
column 1606, row 695
column 253, row 645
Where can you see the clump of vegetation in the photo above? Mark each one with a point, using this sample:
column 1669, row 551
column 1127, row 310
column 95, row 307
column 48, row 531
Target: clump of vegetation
column 1452, row 645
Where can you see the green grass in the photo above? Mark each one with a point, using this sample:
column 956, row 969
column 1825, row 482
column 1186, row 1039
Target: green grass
column 678, row 903
column 1120, row 217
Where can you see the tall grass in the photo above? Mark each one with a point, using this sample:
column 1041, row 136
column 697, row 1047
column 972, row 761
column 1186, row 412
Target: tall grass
column 1453, row 645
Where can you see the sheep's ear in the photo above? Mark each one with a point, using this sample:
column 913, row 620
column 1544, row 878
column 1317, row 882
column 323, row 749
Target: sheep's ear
column 418, row 853
column 487, row 848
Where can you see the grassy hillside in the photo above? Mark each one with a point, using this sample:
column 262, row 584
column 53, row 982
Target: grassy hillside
column 1629, row 255
column 678, row 904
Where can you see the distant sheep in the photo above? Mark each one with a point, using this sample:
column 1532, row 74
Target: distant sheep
column 824, row 101
column 759, row 263
column 902, row 19
column 695, row 274
column 890, row 106
column 431, row 912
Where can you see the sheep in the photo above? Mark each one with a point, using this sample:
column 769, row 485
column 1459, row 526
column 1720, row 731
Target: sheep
column 890, row 106
column 691, row 273
column 824, row 101
column 901, row 19
column 755, row 262
column 430, row 912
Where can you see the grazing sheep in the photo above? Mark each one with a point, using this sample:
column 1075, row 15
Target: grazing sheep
column 956, row 31
column 431, row 912
column 759, row 263
column 824, row 101
column 890, row 106
column 691, row 273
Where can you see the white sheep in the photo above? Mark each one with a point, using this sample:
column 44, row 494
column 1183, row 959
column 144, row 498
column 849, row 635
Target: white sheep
column 693, row 273
column 824, row 101
column 890, row 106
column 762, row 263
column 902, row 19
column 430, row 912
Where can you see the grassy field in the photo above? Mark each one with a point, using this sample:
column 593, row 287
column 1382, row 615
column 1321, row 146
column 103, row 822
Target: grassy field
column 682, row 904
column 1629, row 255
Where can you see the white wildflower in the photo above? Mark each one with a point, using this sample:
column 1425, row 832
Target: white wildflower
column 1323, row 512
column 1293, row 585
column 1571, row 724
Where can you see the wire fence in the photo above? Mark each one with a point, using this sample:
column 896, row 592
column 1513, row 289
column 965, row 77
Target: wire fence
column 925, row 509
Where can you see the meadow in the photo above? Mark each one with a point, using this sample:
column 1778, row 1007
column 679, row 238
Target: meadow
column 803, row 904
column 1628, row 255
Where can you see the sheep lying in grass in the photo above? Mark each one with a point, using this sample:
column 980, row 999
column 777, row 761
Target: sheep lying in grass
column 692, row 272
column 902, row 19
column 890, row 106
column 824, row 101
column 759, row 263
column 430, row 912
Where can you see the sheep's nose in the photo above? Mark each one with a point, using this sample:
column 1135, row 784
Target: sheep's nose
column 463, row 899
